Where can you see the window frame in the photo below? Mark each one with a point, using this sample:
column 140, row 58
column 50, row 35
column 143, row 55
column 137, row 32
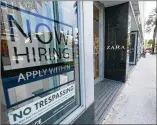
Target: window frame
column 75, row 114
column 84, row 103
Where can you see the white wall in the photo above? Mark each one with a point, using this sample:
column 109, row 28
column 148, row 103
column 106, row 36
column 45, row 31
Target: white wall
column 141, row 7
column 88, row 51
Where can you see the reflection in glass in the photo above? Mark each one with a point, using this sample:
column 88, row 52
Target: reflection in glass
column 49, row 31
column 96, row 42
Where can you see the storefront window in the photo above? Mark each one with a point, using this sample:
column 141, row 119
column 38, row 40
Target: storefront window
column 40, row 60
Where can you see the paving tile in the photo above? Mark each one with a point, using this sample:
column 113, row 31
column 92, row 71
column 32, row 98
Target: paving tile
column 108, row 90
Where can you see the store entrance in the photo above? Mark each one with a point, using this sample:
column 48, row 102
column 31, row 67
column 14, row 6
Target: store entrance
column 98, row 40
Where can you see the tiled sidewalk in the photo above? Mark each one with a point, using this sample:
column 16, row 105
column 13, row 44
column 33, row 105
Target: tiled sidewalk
column 137, row 102
column 105, row 94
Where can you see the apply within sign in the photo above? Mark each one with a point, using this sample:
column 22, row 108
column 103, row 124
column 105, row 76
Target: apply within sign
column 44, row 48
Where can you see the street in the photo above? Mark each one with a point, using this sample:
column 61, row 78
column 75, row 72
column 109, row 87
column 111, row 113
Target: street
column 137, row 102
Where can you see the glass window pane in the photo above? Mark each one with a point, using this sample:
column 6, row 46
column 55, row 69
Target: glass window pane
column 40, row 60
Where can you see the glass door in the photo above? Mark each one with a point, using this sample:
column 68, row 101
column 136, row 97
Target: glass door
column 96, row 40
column 132, row 55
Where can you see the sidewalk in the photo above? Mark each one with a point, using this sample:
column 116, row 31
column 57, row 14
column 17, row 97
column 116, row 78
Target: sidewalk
column 105, row 95
column 137, row 102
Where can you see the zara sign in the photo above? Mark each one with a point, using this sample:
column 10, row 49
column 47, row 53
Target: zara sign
column 115, row 47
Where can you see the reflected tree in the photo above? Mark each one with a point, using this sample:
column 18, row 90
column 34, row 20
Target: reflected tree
column 151, row 26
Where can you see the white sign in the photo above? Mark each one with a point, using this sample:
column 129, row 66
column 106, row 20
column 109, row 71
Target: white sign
column 115, row 47
column 32, row 111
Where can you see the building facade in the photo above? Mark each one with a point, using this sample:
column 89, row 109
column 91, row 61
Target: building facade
column 54, row 53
